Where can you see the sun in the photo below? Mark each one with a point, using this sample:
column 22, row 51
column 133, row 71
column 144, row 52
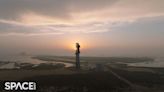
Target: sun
column 72, row 45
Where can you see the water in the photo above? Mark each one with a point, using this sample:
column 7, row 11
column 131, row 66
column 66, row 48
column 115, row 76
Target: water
column 24, row 59
column 158, row 62
column 21, row 59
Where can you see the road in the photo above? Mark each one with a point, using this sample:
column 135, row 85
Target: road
column 134, row 87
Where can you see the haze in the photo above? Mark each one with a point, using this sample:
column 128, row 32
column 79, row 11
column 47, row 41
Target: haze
column 102, row 27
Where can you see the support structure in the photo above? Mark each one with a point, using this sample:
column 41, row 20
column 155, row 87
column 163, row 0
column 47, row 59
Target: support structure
column 77, row 56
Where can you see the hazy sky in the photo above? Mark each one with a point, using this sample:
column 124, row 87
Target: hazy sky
column 102, row 27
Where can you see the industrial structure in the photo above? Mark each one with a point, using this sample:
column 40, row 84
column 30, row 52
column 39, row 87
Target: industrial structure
column 77, row 56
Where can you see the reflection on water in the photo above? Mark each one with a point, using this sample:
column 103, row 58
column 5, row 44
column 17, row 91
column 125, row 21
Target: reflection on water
column 24, row 59
column 21, row 59
column 158, row 62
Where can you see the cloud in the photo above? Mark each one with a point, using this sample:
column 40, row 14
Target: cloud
column 61, row 16
column 78, row 9
column 55, row 8
column 16, row 29
column 146, row 31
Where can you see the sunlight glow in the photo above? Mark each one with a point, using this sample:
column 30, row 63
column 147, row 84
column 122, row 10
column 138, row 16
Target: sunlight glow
column 71, row 45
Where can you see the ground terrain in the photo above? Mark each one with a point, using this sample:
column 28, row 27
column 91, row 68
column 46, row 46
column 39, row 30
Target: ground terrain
column 97, row 74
